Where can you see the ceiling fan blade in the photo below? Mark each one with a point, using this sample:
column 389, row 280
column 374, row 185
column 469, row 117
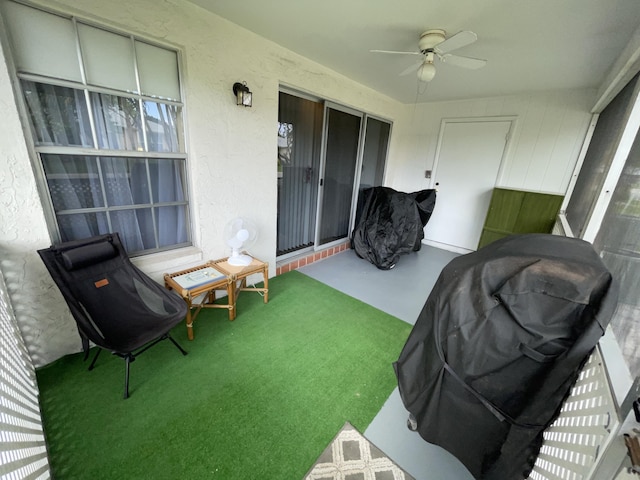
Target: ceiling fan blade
column 410, row 69
column 398, row 53
column 464, row 62
column 459, row 40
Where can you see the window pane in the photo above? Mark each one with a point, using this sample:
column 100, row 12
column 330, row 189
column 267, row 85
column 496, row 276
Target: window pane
column 597, row 161
column 162, row 126
column 618, row 243
column 58, row 115
column 158, row 70
column 74, row 182
column 375, row 153
column 118, row 122
column 172, row 225
column 125, row 181
column 299, row 145
column 79, row 182
column 167, row 180
column 343, row 135
column 135, row 228
column 285, row 144
column 44, row 43
column 82, row 225
column 108, row 58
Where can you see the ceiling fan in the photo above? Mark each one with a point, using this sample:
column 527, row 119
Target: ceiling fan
column 432, row 44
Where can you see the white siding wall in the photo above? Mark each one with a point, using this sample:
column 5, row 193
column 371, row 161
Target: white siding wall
column 547, row 139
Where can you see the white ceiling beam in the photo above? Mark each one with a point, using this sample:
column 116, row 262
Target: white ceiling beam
column 626, row 66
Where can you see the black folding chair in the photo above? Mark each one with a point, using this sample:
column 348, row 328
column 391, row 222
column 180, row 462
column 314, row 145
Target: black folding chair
column 114, row 304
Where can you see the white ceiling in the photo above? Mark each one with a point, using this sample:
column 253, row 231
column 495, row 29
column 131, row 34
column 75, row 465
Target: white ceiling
column 530, row 45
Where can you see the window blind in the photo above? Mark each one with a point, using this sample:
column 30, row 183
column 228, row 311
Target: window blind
column 47, row 44
column 44, row 44
column 108, row 58
column 158, row 70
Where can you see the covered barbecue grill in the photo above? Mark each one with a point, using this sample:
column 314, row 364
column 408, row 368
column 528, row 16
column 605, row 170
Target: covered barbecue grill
column 498, row 346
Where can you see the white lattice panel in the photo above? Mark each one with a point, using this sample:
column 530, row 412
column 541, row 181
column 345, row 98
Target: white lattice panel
column 23, row 453
column 573, row 443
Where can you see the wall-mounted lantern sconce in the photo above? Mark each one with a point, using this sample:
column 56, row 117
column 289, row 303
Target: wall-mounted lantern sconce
column 242, row 93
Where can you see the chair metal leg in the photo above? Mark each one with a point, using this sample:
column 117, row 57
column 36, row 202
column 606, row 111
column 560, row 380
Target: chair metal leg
column 130, row 357
column 127, row 360
column 176, row 344
column 93, row 362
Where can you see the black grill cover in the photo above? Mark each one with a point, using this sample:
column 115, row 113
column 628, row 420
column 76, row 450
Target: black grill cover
column 390, row 223
column 498, row 346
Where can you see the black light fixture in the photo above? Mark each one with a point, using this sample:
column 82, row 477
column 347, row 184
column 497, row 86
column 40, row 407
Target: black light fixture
column 242, row 93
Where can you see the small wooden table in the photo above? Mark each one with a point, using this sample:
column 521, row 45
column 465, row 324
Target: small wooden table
column 238, row 277
column 193, row 282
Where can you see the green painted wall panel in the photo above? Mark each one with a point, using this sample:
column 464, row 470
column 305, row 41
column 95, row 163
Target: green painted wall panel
column 504, row 209
column 518, row 211
column 538, row 213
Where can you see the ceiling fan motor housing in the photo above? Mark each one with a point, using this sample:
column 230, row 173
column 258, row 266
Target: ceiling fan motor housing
column 429, row 39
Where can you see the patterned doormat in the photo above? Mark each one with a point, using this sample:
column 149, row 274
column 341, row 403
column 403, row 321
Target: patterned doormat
column 350, row 456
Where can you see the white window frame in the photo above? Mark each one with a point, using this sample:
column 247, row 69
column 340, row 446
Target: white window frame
column 613, row 456
column 594, row 221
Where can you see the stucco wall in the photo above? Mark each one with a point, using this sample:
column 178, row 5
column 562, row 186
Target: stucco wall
column 35, row 301
column 232, row 150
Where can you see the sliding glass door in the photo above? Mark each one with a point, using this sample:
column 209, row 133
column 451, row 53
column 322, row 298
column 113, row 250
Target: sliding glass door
column 327, row 153
column 341, row 147
column 299, row 142
column 374, row 157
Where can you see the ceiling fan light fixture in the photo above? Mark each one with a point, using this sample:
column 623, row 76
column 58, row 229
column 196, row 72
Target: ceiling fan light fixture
column 433, row 45
column 426, row 72
column 431, row 38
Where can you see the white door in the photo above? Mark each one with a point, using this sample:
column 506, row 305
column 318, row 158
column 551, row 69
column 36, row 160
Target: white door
column 468, row 160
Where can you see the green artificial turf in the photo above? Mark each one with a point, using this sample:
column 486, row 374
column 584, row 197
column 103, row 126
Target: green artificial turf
column 257, row 398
